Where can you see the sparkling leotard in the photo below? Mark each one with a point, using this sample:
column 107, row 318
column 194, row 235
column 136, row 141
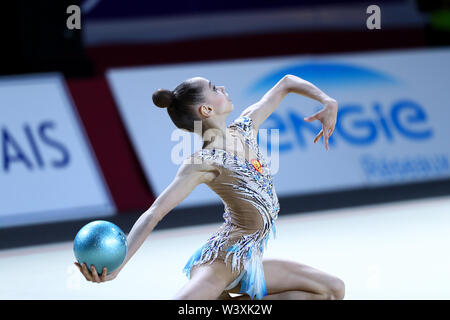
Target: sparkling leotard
column 251, row 206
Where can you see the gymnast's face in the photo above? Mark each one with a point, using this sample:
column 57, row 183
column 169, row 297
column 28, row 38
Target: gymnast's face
column 217, row 101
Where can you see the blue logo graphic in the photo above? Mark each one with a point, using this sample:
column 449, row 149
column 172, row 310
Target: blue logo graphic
column 357, row 124
column 327, row 75
column 361, row 124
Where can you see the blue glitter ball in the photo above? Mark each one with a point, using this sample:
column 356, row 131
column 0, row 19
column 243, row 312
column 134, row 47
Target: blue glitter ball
column 102, row 244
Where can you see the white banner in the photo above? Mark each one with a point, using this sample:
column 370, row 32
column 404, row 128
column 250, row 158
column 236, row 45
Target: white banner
column 392, row 122
column 48, row 171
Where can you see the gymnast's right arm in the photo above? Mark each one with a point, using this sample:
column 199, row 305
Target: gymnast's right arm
column 187, row 178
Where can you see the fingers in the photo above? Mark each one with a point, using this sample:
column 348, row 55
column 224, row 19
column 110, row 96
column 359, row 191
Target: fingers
column 331, row 131
column 318, row 136
column 326, row 130
column 325, row 137
column 94, row 274
column 103, row 277
column 84, row 271
column 315, row 116
column 310, row 118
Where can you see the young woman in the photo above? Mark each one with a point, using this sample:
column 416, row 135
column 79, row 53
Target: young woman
column 231, row 164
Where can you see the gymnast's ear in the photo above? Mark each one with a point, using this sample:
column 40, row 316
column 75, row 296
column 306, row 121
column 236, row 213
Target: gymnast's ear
column 205, row 110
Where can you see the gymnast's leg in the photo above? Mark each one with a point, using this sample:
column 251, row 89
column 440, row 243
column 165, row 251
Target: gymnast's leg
column 287, row 280
column 207, row 282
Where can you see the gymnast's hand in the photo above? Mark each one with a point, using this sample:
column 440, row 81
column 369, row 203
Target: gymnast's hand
column 327, row 116
column 93, row 275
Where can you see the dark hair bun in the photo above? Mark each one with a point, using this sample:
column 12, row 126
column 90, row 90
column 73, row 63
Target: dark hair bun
column 163, row 98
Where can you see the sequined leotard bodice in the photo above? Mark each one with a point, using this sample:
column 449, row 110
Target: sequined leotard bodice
column 251, row 206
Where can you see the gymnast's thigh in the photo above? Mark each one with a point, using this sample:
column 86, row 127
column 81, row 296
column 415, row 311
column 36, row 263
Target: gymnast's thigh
column 208, row 281
column 285, row 275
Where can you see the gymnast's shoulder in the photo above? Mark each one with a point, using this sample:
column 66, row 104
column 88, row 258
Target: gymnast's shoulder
column 202, row 169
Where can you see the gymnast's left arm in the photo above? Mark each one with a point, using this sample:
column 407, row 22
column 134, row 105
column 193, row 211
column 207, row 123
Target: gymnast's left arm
column 262, row 109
